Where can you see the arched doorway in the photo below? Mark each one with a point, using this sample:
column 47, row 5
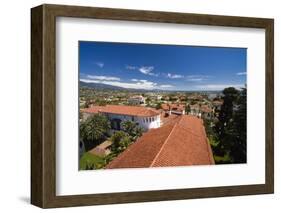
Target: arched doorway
column 116, row 124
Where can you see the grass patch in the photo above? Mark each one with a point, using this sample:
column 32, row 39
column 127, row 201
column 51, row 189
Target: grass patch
column 89, row 161
column 213, row 142
column 222, row 159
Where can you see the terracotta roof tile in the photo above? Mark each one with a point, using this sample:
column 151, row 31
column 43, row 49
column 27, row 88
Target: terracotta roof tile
column 176, row 107
column 180, row 142
column 94, row 109
column 206, row 108
column 123, row 110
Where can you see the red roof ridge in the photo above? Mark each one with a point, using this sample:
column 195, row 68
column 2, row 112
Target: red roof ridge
column 162, row 146
column 166, row 141
column 140, row 155
column 123, row 110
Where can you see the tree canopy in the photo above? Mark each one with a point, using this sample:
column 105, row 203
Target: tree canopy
column 120, row 141
column 230, row 130
column 94, row 128
column 132, row 129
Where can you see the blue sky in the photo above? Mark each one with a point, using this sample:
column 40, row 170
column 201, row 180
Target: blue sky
column 168, row 67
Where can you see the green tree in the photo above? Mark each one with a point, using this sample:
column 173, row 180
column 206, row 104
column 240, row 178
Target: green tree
column 158, row 105
column 132, row 129
column 231, row 126
column 239, row 148
column 120, row 141
column 187, row 109
column 226, row 112
column 87, row 103
column 94, row 129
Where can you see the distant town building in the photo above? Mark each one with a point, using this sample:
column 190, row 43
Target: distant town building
column 217, row 104
column 136, row 100
column 195, row 110
column 203, row 111
column 206, row 112
column 211, row 96
column 195, row 97
column 145, row 117
column 178, row 109
column 180, row 142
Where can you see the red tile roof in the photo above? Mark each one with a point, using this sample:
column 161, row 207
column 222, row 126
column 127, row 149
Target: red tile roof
column 206, row 108
column 180, row 142
column 94, row 109
column 123, row 110
column 217, row 103
column 175, row 107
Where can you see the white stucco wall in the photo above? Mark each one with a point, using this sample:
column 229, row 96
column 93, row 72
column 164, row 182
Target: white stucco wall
column 145, row 122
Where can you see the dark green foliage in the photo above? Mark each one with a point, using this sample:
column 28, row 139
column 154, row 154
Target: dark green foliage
column 94, row 129
column 158, row 105
column 89, row 161
column 239, row 148
column 187, row 109
column 230, row 130
column 132, row 129
column 120, row 141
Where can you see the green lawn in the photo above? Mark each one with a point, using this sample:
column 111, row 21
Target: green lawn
column 222, row 159
column 90, row 161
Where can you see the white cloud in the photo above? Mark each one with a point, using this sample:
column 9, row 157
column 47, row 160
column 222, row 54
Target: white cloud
column 102, row 77
column 197, row 78
column 143, row 81
column 146, row 70
column 129, row 67
column 138, row 84
column 166, row 86
column 173, row 76
column 99, row 64
column 241, row 73
column 115, row 81
column 89, row 80
column 218, row 86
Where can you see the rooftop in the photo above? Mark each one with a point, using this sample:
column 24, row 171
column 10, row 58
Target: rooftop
column 123, row 110
column 176, row 107
column 180, row 142
column 206, row 108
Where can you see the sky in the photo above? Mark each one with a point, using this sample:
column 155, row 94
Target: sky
column 166, row 67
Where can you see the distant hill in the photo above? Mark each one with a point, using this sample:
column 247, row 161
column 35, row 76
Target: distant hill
column 110, row 87
column 99, row 86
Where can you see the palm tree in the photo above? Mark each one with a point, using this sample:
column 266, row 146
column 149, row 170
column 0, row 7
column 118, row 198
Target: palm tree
column 132, row 129
column 94, row 129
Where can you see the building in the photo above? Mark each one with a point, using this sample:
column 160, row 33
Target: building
column 206, row 112
column 178, row 109
column 203, row 111
column 195, row 110
column 136, row 100
column 217, row 104
column 145, row 117
column 180, row 142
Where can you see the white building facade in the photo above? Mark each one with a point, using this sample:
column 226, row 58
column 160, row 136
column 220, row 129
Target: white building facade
column 146, row 123
column 136, row 100
column 146, row 118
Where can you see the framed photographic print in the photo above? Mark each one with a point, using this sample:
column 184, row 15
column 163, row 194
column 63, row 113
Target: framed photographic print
column 137, row 106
